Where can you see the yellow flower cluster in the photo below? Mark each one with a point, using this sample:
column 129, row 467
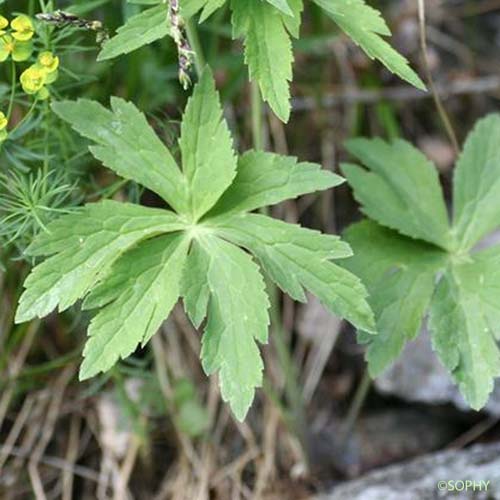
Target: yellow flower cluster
column 42, row 73
column 16, row 42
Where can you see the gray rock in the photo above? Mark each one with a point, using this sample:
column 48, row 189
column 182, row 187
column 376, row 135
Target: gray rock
column 419, row 376
column 435, row 476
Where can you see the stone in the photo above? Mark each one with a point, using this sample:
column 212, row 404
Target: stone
column 430, row 477
column 419, row 376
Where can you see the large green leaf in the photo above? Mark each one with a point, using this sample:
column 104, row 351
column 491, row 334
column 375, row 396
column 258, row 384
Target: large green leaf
column 296, row 258
column 408, row 277
column 476, row 187
column 141, row 290
column 128, row 145
column 208, row 158
column 366, row 27
column 85, row 245
column 115, row 256
column 401, row 190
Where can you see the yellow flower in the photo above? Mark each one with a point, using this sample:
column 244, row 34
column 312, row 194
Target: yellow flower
column 9, row 46
column 33, row 79
column 49, row 63
column 23, row 28
column 3, row 121
column 3, row 24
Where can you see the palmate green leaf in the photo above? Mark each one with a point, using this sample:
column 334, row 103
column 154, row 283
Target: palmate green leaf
column 366, row 27
column 407, row 278
column 206, row 142
column 400, row 190
column 83, row 247
column 116, row 257
column 128, row 145
column 236, row 321
column 476, row 186
column 142, row 288
column 400, row 274
column 297, row 258
column 461, row 332
column 268, row 51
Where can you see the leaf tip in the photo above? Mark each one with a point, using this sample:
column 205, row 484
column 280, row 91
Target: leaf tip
column 86, row 371
column 22, row 316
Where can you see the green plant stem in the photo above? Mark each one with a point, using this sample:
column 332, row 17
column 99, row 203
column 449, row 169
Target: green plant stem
column 12, row 90
column 26, row 116
column 47, row 120
column 257, row 117
column 437, row 99
column 293, row 392
column 194, row 41
column 355, row 408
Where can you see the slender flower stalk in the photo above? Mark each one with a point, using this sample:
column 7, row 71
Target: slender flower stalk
column 184, row 50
